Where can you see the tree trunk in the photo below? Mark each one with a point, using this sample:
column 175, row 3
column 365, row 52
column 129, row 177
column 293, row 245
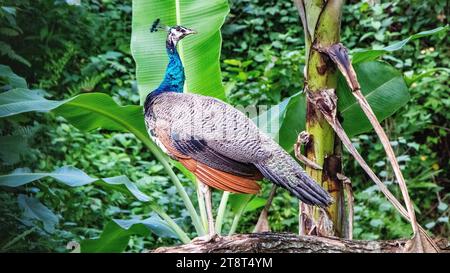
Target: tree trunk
column 288, row 243
column 321, row 22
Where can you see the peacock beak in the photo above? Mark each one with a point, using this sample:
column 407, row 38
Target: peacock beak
column 190, row 31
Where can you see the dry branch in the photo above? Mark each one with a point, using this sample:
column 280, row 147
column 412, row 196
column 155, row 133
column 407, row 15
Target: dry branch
column 339, row 55
column 326, row 102
column 288, row 243
column 263, row 221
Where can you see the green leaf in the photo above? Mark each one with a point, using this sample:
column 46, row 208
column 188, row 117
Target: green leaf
column 267, row 120
column 200, row 53
column 293, row 121
column 9, row 10
column 384, row 88
column 428, row 72
column 123, row 180
column 72, row 177
column 33, row 209
column 86, row 111
column 284, row 121
column 423, row 185
column 370, row 55
column 7, row 76
column 239, row 201
column 97, row 110
column 154, row 223
column 20, row 100
column 116, row 234
column 255, row 204
column 382, row 85
column 183, row 170
column 376, row 223
column 114, row 239
column 442, row 206
column 68, row 175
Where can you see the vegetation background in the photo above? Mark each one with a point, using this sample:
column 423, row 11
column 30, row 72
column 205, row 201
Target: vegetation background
column 71, row 47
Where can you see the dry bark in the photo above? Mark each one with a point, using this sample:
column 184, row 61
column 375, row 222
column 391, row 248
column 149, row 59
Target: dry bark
column 267, row 242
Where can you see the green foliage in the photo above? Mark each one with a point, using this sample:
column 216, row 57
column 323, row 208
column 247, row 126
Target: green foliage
column 10, row 29
column 270, row 43
column 384, row 87
column 11, row 80
column 35, row 210
column 75, row 52
column 116, row 234
column 291, row 115
column 113, row 238
column 72, row 177
column 370, row 55
column 22, row 100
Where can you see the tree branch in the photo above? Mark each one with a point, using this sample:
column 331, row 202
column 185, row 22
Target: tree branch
column 288, row 243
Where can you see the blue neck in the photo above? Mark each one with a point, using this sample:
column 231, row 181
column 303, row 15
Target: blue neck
column 174, row 77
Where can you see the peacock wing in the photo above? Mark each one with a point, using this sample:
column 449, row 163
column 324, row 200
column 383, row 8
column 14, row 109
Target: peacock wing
column 194, row 129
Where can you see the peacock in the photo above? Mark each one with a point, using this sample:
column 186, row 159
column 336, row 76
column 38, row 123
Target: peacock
column 220, row 145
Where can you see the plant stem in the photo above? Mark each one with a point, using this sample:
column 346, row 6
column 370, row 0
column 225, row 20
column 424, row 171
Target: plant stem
column 321, row 20
column 235, row 223
column 18, row 238
column 237, row 217
column 201, row 205
column 181, row 234
column 263, row 221
column 221, row 211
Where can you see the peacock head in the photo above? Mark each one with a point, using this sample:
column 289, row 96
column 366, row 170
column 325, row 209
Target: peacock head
column 174, row 34
column 177, row 33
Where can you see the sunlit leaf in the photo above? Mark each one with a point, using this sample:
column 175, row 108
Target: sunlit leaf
column 384, row 88
column 239, row 201
column 113, row 239
column 154, row 223
column 284, row 121
column 255, row 204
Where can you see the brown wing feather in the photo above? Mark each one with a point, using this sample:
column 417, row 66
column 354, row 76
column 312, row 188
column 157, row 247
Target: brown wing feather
column 219, row 179
column 208, row 180
column 210, row 176
column 233, row 182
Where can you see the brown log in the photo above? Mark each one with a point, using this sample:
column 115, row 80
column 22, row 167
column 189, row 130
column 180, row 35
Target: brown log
column 268, row 242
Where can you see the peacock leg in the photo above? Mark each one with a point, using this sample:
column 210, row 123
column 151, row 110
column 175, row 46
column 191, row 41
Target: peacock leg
column 206, row 193
column 209, row 213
